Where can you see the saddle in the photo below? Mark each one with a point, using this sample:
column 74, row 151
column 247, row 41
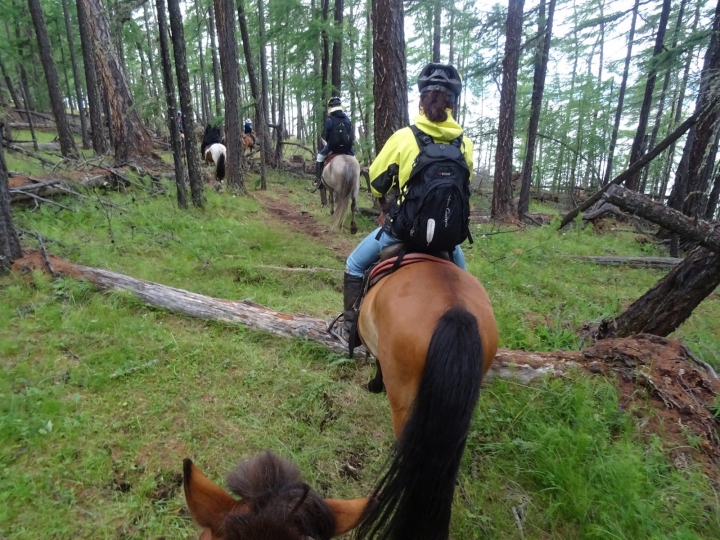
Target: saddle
column 391, row 258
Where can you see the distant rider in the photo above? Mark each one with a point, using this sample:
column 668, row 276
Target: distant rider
column 338, row 134
column 248, row 127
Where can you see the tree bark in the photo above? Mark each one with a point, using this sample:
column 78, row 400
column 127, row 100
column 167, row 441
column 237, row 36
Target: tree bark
column 541, row 61
column 662, row 309
column 640, row 205
column 336, row 78
column 711, row 208
column 262, row 123
column 171, row 107
column 502, row 206
column 706, row 129
column 197, row 187
column 215, row 67
column 11, row 88
column 252, row 76
column 225, row 19
column 633, row 182
column 130, row 137
column 67, row 143
column 621, row 96
column 633, row 262
column 437, row 28
column 389, row 69
column 10, row 249
column 76, row 78
column 94, row 101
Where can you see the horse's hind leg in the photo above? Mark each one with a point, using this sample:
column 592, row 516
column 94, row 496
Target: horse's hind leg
column 353, row 225
column 323, row 195
column 376, row 385
column 331, row 196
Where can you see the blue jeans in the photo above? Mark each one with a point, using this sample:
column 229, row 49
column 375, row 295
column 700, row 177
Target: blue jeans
column 368, row 252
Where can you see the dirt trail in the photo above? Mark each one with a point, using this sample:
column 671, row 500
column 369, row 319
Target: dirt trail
column 342, row 243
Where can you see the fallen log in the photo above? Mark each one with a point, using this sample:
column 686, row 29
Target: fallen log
column 705, row 233
column 633, row 262
column 638, row 165
column 25, row 188
column 683, row 391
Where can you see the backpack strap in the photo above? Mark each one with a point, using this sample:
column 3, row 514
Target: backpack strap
column 422, row 138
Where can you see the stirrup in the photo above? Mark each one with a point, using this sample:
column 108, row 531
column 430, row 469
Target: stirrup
column 330, row 327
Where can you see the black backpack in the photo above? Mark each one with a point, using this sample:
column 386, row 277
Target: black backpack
column 341, row 137
column 434, row 214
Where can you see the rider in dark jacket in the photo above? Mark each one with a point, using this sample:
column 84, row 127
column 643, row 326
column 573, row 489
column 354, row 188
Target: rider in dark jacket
column 248, row 127
column 336, row 117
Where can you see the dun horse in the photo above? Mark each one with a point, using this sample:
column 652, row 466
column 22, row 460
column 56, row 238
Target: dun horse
column 431, row 327
column 341, row 176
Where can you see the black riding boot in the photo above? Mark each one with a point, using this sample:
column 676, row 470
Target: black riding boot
column 352, row 289
column 318, row 172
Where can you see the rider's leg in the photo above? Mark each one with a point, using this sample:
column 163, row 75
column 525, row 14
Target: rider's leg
column 319, row 164
column 459, row 258
column 364, row 255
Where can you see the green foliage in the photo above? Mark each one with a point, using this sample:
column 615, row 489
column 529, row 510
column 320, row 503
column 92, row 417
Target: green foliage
column 102, row 395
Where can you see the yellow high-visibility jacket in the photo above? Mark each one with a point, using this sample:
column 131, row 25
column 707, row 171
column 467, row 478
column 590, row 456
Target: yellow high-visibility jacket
column 395, row 161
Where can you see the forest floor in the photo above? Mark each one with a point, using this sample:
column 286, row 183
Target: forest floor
column 102, row 396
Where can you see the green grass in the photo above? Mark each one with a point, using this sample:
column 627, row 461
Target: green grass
column 91, row 447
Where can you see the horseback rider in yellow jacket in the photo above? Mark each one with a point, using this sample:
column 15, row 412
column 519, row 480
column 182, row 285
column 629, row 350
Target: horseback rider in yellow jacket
column 395, row 162
column 440, row 87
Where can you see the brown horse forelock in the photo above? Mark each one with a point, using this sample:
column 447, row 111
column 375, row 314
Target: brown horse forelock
column 276, row 504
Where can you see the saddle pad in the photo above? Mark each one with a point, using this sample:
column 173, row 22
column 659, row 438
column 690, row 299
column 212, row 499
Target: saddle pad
column 330, row 158
column 385, row 267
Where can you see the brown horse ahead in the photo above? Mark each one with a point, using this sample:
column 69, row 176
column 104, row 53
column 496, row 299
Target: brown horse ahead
column 432, row 329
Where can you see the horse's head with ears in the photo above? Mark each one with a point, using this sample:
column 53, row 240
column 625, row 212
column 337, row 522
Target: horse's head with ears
column 274, row 504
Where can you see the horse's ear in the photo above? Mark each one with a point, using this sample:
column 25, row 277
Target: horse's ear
column 209, row 504
column 348, row 513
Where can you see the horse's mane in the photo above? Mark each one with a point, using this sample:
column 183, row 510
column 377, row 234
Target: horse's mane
column 277, row 494
column 212, row 135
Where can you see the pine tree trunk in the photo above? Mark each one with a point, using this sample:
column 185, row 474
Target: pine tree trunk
column 203, row 88
column 262, row 123
column 336, row 78
column 63, row 63
column 662, row 309
column 131, row 140
column 621, row 97
column 9, row 243
column 11, row 88
column 225, row 19
column 215, row 66
column 712, row 205
column 636, row 149
column 437, row 17
column 76, row 78
column 502, row 206
column 706, row 128
column 148, row 38
column 197, row 187
column 94, row 100
column 67, row 143
column 389, row 69
column 171, row 106
column 281, row 109
column 541, row 61
column 663, row 95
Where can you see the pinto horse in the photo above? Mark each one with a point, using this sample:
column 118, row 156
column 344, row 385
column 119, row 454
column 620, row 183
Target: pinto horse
column 432, row 329
column 215, row 153
column 275, row 504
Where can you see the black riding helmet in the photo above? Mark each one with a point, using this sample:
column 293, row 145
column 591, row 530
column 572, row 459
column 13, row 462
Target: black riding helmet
column 334, row 102
column 441, row 77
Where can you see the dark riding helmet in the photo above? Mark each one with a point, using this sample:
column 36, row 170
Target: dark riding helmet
column 334, row 102
column 441, row 77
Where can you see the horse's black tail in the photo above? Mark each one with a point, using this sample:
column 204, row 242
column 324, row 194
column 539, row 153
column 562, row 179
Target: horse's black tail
column 220, row 169
column 414, row 496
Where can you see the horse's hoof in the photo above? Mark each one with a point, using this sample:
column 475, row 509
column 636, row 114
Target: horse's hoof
column 353, row 228
column 375, row 387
